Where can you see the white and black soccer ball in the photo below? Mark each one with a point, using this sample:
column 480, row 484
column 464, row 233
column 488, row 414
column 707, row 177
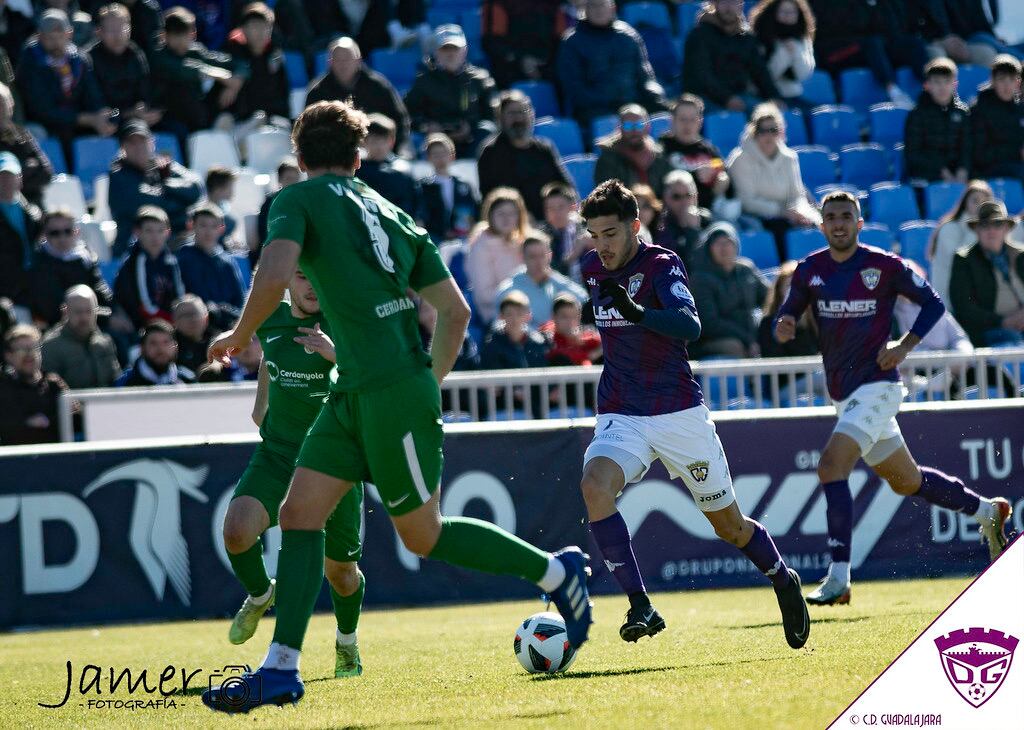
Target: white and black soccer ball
column 541, row 644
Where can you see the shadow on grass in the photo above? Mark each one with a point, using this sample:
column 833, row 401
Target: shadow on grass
column 600, row 673
column 446, row 721
column 830, row 620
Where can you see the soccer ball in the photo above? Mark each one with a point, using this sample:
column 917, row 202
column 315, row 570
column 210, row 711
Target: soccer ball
column 541, row 644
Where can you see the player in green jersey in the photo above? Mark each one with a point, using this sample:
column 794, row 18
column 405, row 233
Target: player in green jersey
column 382, row 419
column 293, row 378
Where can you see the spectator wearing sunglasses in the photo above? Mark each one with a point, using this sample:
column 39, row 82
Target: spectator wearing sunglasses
column 683, row 222
column 630, row 154
column 766, row 176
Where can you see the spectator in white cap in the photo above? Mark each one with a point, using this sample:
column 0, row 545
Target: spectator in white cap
column 451, row 95
column 19, row 230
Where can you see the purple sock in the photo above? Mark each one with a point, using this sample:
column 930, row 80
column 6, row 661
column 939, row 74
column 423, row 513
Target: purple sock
column 612, row 537
column 946, row 491
column 839, row 515
column 762, row 553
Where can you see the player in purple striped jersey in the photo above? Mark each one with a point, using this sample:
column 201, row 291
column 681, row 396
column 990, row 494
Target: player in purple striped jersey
column 852, row 289
column 650, row 407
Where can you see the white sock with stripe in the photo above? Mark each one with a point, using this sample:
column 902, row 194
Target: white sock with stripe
column 553, row 576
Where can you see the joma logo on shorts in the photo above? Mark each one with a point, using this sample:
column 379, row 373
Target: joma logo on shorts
column 712, row 497
column 858, row 306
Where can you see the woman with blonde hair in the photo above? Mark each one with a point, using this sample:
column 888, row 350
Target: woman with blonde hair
column 495, row 247
column 953, row 233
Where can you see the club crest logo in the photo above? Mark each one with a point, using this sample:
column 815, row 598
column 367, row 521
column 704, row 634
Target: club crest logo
column 634, row 284
column 976, row 661
column 871, row 277
column 698, row 470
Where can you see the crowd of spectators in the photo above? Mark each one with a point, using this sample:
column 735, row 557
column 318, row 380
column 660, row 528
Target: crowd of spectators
column 508, row 224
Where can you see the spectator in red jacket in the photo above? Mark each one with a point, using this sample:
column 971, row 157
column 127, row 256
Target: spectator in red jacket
column 30, row 396
column 571, row 342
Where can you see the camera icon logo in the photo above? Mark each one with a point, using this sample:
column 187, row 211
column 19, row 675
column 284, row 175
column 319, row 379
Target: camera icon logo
column 236, row 686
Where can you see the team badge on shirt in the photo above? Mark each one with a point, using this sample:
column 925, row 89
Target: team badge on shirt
column 698, row 470
column 634, row 284
column 871, row 277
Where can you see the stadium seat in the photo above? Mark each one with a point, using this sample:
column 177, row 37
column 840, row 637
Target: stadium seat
column 821, row 191
column 95, row 239
column 101, row 198
column 320, row 64
column 686, row 17
column 834, row 126
column 581, row 169
column 971, row 79
column 108, row 270
column 296, row 102
column 940, row 198
column 858, row 88
column 543, row 96
column 907, row 81
column 887, row 123
column 442, row 16
column 896, row 160
column 759, row 247
column 914, row 238
column 1010, row 191
column 266, row 148
column 863, row 164
column 892, row 204
column 467, row 170
column 250, row 191
column 211, row 147
column 167, row 144
column 796, row 128
column 802, row 241
column 817, row 166
column 818, row 88
column 665, row 58
column 646, row 13
column 723, row 129
column 603, row 126
column 93, row 156
column 876, row 234
column 244, row 269
column 65, row 191
column 563, row 133
column 398, row 66
column 660, row 123
column 51, row 147
column 295, row 69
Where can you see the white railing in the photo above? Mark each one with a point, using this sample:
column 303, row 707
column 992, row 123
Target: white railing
column 542, row 393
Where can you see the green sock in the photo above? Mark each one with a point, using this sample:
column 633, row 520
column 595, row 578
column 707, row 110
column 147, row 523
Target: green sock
column 300, row 573
column 479, row 545
column 347, row 608
column 250, row 570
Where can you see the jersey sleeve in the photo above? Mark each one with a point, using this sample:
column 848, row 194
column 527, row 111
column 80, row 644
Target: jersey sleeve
column 799, row 294
column 429, row 268
column 915, row 288
column 287, row 217
column 670, row 283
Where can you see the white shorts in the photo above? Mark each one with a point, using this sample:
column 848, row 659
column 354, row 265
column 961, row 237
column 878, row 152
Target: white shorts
column 686, row 443
column 868, row 416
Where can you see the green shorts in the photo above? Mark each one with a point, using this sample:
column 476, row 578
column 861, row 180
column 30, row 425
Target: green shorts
column 266, row 480
column 391, row 437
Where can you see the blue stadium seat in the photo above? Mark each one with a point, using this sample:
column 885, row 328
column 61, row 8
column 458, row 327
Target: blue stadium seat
column 51, row 147
column 603, row 126
column 817, row 166
column 887, row 123
column 863, row 164
column 971, row 79
column 834, row 126
column 759, row 247
column 686, row 17
column 93, row 156
column 646, row 13
column 723, row 129
column 858, row 88
column 320, row 63
column 244, row 269
column 167, row 143
column 1010, row 191
column 940, row 198
column 818, row 88
column 907, row 81
column 108, row 269
column 663, row 55
column 896, row 159
column 892, row 204
column 660, row 123
column 914, row 237
column 442, row 16
column 802, row 241
column 796, row 128
column 295, row 69
column 822, row 190
column 564, row 133
column 542, row 94
column 471, row 20
column 581, row 170
column 398, row 66
column 878, row 235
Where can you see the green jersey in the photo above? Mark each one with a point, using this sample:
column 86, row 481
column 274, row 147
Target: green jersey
column 298, row 379
column 361, row 254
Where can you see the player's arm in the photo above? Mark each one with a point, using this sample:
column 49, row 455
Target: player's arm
column 452, row 319
column 677, row 320
column 919, row 291
column 276, row 269
column 793, row 308
column 259, row 408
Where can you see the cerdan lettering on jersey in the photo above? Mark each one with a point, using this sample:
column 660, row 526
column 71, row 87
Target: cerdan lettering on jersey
column 394, row 307
column 847, row 309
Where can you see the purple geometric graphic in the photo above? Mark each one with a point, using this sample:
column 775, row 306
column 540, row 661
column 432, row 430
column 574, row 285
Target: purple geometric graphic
column 976, row 661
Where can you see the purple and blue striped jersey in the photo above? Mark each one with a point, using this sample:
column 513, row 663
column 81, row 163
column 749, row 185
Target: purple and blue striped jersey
column 852, row 303
column 645, row 373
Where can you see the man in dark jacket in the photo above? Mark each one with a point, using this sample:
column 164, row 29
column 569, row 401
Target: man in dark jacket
column 997, row 124
column 20, row 222
column 724, row 62
column 156, row 364
column 603, row 65
column 383, row 171
column 631, row 154
column 937, row 135
column 682, row 224
column 149, row 279
column 970, row 19
column 261, row 62
column 140, row 177
column 288, row 173
column 192, row 331
column 521, row 38
column 62, row 261
column 517, row 159
column 512, row 343
column 448, row 207
column 207, row 270
column 30, row 397
column 36, row 170
column 121, row 69
column 452, row 96
column 76, row 349
column 729, row 292
column 147, row 22
column 15, row 29
column 57, row 83
column 987, row 284
column 348, row 77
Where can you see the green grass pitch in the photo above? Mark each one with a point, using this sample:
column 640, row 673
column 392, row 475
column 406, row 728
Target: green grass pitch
column 722, row 663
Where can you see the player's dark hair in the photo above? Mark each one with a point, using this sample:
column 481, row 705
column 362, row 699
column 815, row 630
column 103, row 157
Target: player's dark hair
column 689, row 100
column 328, row 134
column 562, row 301
column 151, row 213
column 155, row 326
column 1006, row 64
column 179, row 21
column 558, row 190
column 841, row 196
column 940, row 67
column 611, row 198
